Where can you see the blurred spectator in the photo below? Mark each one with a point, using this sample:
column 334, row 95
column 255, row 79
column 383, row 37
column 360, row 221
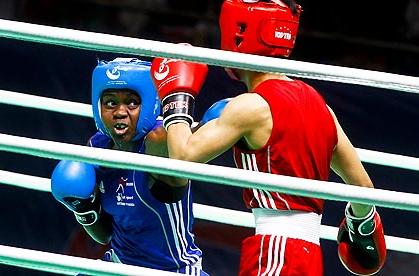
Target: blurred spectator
column 7, row 9
column 412, row 20
column 80, row 244
column 194, row 22
column 134, row 16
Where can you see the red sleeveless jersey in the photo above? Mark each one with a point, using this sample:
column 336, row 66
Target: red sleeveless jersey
column 301, row 144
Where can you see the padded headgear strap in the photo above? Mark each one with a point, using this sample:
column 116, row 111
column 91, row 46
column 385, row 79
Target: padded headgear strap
column 126, row 73
column 266, row 28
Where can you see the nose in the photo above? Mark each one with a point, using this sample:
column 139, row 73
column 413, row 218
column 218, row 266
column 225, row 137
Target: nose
column 120, row 111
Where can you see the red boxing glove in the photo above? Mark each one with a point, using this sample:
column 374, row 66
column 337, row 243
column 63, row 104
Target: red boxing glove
column 361, row 244
column 178, row 83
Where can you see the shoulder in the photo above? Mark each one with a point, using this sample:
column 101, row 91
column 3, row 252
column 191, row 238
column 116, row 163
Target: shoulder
column 156, row 136
column 99, row 140
column 156, row 142
column 247, row 103
column 248, row 108
column 332, row 113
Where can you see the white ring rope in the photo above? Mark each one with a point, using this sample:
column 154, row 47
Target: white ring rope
column 210, row 213
column 44, row 103
column 85, row 110
column 70, row 265
column 210, row 173
column 143, row 47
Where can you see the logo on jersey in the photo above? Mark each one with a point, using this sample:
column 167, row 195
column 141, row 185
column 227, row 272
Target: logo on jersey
column 123, row 198
column 101, row 187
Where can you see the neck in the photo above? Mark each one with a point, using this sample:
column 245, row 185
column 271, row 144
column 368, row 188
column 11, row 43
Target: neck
column 124, row 146
column 253, row 79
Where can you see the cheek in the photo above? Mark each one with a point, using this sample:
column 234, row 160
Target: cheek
column 106, row 118
column 135, row 115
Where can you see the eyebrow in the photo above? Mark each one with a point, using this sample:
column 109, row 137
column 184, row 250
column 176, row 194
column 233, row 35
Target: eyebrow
column 113, row 93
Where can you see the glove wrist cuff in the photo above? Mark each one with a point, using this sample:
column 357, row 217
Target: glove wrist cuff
column 88, row 218
column 364, row 226
column 178, row 108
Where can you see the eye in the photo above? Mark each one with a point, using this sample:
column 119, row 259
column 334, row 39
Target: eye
column 109, row 103
column 133, row 103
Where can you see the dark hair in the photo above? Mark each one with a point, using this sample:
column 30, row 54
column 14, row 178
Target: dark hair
column 292, row 4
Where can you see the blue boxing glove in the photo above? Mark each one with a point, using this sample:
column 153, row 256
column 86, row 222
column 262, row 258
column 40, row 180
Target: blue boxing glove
column 73, row 184
column 214, row 111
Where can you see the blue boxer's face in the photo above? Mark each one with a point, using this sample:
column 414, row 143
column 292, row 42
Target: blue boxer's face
column 120, row 110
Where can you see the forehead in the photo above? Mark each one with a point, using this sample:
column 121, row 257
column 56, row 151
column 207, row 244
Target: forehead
column 115, row 92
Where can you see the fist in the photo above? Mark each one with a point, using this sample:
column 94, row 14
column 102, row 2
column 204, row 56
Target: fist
column 173, row 75
column 361, row 243
column 73, row 184
column 178, row 83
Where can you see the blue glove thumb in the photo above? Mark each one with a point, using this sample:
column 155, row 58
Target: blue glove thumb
column 214, row 111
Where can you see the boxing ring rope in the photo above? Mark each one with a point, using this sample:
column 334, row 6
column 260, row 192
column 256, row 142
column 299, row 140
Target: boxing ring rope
column 209, row 213
column 209, row 173
column 70, row 265
column 85, row 110
column 43, row 103
column 128, row 45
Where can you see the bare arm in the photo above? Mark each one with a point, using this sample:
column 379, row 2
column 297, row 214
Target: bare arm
column 346, row 163
column 242, row 117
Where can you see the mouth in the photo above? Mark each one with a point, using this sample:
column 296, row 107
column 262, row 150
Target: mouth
column 120, row 128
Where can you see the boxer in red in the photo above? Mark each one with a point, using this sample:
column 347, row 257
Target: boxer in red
column 279, row 126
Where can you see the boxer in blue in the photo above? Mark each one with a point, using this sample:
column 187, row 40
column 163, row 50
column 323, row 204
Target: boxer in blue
column 146, row 218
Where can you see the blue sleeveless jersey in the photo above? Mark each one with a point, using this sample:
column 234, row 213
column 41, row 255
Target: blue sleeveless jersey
column 146, row 232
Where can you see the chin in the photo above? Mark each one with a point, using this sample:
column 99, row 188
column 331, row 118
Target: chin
column 122, row 139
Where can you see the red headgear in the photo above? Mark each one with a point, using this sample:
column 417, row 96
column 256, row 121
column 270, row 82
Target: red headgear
column 263, row 28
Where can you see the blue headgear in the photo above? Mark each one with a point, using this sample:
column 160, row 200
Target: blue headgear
column 126, row 73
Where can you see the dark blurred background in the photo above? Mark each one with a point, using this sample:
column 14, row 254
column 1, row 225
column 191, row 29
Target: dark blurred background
column 376, row 35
